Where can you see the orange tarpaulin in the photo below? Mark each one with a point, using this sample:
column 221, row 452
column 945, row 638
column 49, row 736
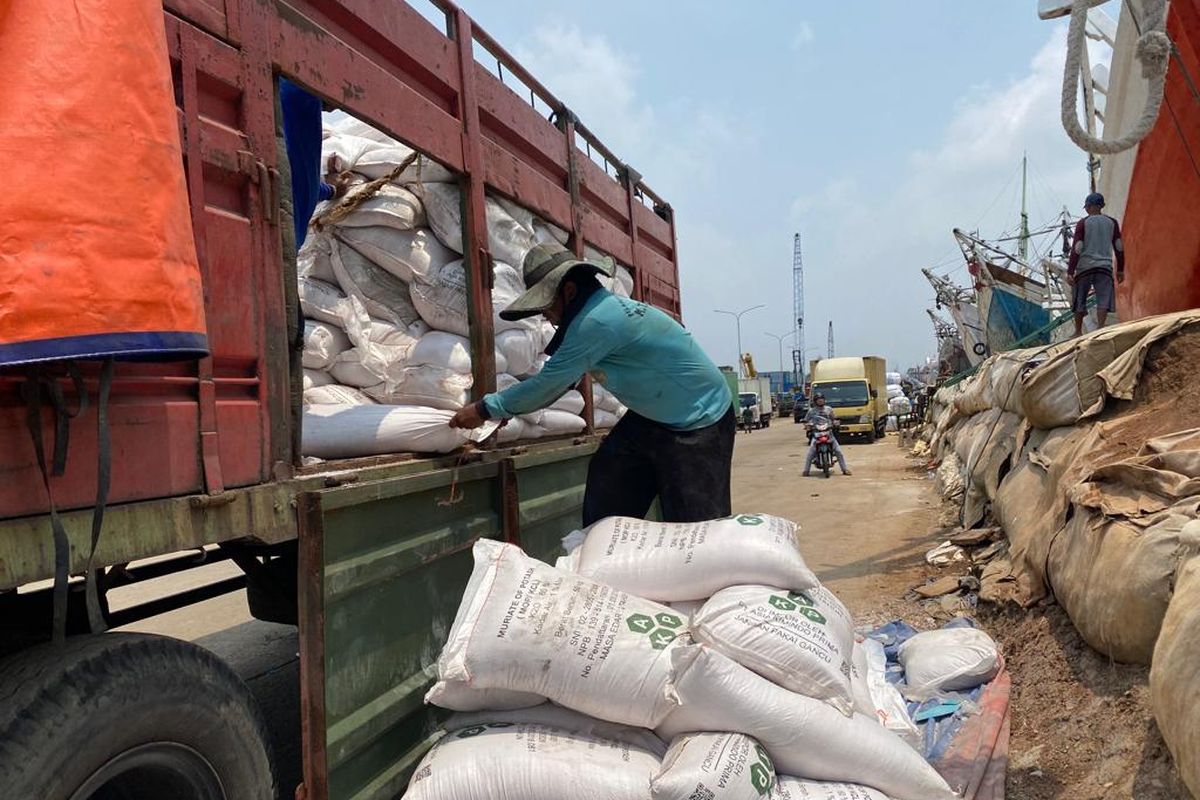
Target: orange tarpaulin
column 96, row 249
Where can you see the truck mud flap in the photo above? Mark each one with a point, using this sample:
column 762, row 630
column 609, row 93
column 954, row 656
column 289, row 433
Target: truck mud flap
column 383, row 565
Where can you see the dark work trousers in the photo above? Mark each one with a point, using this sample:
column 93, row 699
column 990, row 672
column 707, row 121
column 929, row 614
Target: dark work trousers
column 687, row 470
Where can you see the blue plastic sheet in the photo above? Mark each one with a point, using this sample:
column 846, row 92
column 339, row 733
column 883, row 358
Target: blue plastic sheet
column 939, row 729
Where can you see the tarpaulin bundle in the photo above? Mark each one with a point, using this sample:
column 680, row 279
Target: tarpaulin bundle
column 96, row 251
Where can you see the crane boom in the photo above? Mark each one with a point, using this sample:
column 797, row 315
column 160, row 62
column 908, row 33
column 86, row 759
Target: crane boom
column 798, row 310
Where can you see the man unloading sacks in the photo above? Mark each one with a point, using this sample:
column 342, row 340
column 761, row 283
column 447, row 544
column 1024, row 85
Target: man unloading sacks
column 676, row 440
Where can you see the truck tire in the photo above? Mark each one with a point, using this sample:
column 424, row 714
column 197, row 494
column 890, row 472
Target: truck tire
column 129, row 716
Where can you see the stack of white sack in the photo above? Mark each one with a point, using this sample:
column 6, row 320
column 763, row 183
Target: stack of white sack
column 752, row 668
column 383, row 290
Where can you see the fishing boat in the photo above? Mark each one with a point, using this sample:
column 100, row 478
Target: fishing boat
column 1011, row 301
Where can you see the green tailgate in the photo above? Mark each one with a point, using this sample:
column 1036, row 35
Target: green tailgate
column 382, row 568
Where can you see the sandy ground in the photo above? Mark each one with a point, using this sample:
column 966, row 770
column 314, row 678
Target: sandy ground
column 865, row 535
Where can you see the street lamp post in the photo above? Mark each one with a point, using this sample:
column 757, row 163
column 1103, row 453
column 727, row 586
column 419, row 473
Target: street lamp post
column 779, row 338
column 737, row 315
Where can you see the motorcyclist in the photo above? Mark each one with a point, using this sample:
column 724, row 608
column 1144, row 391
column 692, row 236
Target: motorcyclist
column 819, row 411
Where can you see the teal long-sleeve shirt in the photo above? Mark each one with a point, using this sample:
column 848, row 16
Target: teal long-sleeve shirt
column 641, row 355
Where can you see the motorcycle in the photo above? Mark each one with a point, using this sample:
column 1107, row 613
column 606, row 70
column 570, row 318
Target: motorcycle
column 822, row 433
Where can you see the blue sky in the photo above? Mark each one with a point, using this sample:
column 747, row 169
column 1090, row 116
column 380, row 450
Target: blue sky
column 873, row 133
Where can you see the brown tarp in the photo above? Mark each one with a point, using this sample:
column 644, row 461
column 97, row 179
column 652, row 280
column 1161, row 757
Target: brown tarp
column 1175, row 676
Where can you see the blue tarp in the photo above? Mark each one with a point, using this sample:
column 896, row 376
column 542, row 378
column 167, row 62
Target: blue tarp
column 948, row 711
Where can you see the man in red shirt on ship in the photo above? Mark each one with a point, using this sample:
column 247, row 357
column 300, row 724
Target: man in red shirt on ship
column 1097, row 237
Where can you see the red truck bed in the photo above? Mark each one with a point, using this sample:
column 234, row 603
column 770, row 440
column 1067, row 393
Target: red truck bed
column 227, row 421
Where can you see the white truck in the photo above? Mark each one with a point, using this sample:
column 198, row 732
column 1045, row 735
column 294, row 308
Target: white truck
column 756, row 393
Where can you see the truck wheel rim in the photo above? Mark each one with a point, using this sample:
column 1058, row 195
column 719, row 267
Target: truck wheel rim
column 152, row 772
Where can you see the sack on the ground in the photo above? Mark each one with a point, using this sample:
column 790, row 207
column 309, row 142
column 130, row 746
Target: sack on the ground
column 336, row 395
column 802, row 641
column 886, row 703
column 532, row 762
column 526, row 626
column 405, row 254
column 948, row 659
column 789, row 788
column 458, row 696
column 670, row 561
column 714, row 766
column 1174, row 678
column 322, row 344
column 338, row 431
column 382, row 294
column 803, row 736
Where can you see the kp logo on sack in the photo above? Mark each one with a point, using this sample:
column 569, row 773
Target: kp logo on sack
column 799, row 603
column 762, row 772
column 660, row 637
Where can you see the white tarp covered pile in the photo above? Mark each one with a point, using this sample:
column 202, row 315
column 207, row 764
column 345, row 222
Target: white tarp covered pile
column 696, row 659
column 1087, row 454
column 384, row 294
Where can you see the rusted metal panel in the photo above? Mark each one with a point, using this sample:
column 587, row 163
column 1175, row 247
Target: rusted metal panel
column 382, row 588
column 514, row 124
column 306, row 51
column 477, row 261
column 208, row 15
column 654, row 231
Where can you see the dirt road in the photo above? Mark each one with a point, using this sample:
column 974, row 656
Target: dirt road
column 864, row 535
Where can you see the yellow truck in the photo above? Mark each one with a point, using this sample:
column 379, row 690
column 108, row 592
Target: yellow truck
column 855, row 387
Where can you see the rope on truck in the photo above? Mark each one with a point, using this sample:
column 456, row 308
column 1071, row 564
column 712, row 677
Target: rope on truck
column 1153, row 51
column 358, row 195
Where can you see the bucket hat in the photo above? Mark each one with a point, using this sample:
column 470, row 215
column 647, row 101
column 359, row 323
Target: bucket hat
column 545, row 267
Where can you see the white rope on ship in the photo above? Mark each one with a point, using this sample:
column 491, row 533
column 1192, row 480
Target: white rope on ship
column 1153, row 51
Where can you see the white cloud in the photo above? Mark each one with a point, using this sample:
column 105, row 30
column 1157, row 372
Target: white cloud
column 803, row 35
column 879, row 238
column 597, row 82
column 866, row 237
